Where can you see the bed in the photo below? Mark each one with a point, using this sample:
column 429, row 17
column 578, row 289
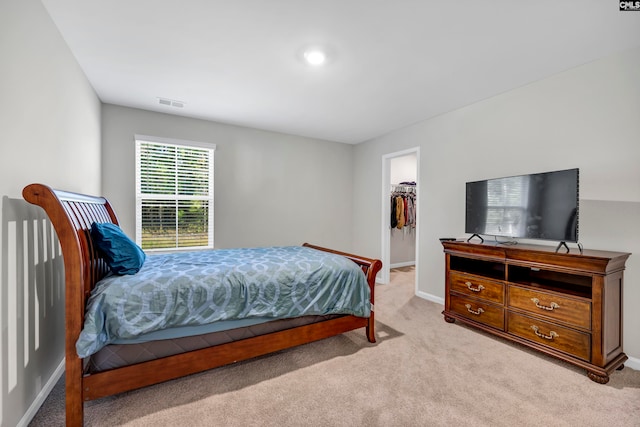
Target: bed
column 116, row 366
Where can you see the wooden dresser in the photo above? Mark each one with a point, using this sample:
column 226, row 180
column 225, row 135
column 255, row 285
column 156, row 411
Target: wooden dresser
column 566, row 305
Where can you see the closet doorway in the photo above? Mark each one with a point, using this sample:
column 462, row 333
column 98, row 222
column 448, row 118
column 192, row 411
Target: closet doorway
column 400, row 246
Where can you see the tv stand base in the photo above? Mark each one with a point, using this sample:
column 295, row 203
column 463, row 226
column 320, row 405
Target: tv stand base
column 476, row 235
column 561, row 244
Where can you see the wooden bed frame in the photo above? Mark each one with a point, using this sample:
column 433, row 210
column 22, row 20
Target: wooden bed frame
column 71, row 215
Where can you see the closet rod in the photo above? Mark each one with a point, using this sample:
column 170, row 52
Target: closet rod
column 405, row 188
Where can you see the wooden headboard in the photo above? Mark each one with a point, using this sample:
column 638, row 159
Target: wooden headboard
column 72, row 215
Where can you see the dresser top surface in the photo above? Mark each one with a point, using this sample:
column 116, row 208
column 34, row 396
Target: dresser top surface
column 591, row 260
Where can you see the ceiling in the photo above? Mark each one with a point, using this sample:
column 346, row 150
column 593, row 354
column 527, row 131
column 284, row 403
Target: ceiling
column 391, row 63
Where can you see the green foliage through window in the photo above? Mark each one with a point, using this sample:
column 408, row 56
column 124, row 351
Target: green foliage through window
column 174, row 195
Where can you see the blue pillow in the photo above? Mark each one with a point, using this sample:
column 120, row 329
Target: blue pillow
column 121, row 253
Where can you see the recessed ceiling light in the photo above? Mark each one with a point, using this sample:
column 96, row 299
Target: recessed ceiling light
column 315, row 57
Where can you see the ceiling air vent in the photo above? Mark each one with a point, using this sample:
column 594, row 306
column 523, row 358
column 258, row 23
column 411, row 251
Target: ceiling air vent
column 170, row 102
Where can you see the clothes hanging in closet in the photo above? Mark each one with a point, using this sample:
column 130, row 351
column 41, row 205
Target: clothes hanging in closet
column 403, row 206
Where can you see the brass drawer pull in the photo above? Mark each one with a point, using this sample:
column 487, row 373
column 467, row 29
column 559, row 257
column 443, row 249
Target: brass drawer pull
column 551, row 336
column 471, row 288
column 551, row 307
column 470, row 310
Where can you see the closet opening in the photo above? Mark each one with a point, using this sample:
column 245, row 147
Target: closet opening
column 400, row 236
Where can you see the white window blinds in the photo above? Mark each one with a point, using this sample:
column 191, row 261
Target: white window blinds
column 174, row 194
column 507, row 203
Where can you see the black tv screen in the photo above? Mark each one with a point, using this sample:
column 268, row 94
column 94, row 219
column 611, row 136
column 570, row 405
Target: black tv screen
column 536, row 206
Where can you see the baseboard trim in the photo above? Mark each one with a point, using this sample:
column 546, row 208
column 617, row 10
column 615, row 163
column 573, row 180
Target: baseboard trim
column 633, row 363
column 430, row 297
column 42, row 396
column 402, row 264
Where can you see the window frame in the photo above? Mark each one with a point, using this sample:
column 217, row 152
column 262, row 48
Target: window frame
column 138, row 140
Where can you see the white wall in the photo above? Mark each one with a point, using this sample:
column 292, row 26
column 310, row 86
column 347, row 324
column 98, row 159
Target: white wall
column 50, row 133
column 270, row 188
column 403, row 169
column 586, row 117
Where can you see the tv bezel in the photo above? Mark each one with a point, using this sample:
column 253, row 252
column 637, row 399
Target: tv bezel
column 510, row 236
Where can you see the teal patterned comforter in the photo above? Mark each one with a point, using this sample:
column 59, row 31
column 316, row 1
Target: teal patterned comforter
column 201, row 287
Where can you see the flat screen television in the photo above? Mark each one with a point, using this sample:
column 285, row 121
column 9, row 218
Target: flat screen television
column 536, row 206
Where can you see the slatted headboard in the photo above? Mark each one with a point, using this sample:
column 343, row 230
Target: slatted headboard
column 72, row 215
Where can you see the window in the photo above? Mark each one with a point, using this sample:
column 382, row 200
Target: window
column 174, row 193
column 507, row 205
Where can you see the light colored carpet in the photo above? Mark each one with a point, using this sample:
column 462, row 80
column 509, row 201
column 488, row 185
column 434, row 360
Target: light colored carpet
column 421, row 372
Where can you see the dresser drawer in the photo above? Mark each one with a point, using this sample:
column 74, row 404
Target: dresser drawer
column 476, row 286
column 552, row 335
column 478, row 310
column 563, row 309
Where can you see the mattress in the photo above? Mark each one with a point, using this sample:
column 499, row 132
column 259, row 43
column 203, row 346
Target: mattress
column 187, row 289
column 118, row 355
